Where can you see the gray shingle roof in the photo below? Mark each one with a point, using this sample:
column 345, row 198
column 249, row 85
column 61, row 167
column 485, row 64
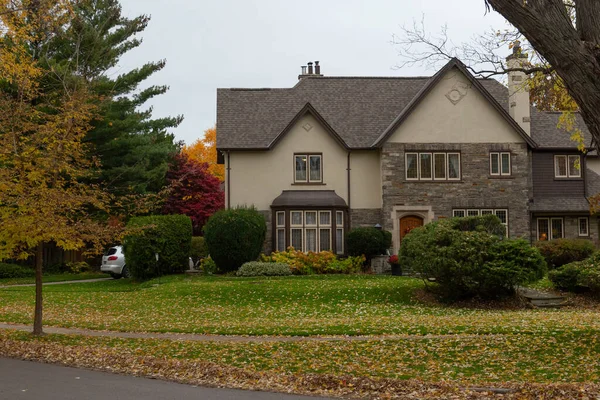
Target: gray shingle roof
column 560, row 204
column 545, row 130
column 359, row 109
column 592, row 180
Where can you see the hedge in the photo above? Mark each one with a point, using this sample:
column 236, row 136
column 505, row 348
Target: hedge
column 368, row 242
column 564, row 251
column 257, row 268
column 169, row 236
column 9, row 271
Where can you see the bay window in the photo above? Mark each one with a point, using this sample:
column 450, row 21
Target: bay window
column 309, row 230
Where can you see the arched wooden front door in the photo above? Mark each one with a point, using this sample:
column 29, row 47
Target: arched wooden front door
column 409, row 223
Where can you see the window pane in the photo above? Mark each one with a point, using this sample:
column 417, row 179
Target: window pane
column 339, row 241
column 297, row 217
column 440, row 166
column 505, row 163
column 301, row 168
column 280, row 218
column 411, row 166
column 453, row 166
column 315, row 168
column 324, row 218
column 425, row 165
column 560, row 166
column 311, row 240
column 583, row 226
column 472, row 213
column 557, row 228
column 458, row 213
column 574, row 167
column 486, row 212
column 339, row 218
column 494, row 164
column 543, row 229
column 325, row 240
column 280, row 239
column 502, row 215
column 311, row 218
column 297, row 239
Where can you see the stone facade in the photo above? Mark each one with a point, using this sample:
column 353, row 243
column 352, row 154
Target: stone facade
column 476, row 189
column 365, row 217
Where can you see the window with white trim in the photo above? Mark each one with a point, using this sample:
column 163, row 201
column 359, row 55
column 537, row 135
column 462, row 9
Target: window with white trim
column 324, row 230
column 308, row 168
column 583, row 224
column 280, row 226
column 550, row 228
column 339, row 235
column 501, row 213
column 432, row 166
column 500, row 164
column 567, row 166
column 297, row 229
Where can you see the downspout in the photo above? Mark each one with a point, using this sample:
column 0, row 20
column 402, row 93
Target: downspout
column 228, row 180
column 349, row 204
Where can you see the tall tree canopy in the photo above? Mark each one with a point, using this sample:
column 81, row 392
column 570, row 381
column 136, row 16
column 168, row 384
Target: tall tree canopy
column 134, row 148
column 564, row 36
column 205, row 151
column 194, row 191
column 44, row 196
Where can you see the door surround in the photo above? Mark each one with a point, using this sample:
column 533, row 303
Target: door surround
column 399, row 212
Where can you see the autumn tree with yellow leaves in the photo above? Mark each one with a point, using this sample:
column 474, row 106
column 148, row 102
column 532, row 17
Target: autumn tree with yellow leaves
column 45, row 112
column 205, row 151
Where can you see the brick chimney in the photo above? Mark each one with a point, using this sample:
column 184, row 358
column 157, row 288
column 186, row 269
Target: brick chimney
column 518, row 90
column 312, row 71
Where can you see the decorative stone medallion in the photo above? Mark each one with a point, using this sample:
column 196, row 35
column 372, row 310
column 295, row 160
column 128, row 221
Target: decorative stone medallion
column 454, row 96
column 307, row 127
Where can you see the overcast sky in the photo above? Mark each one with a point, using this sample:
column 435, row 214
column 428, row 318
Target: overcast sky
column 210, row 44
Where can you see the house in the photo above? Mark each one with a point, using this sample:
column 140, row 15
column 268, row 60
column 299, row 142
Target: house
column 334, row 153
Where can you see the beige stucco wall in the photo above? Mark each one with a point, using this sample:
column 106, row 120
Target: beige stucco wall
column 258, row 177
column 365, row 180
column 471, row 120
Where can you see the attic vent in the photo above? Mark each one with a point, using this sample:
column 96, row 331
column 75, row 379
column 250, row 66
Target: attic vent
column 307, row 127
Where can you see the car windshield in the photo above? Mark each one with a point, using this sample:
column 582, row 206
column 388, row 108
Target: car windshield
column 111, row 251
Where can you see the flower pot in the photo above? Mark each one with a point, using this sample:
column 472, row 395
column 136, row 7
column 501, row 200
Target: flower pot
column 396, row 270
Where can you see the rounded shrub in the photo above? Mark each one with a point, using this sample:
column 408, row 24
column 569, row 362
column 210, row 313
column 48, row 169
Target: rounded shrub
column 564, row 251
column 234, row 237
column 169, row 236
column 257, row 268
column 9, row 271
column 579, row 276
column 467, row 263
column 368, row 242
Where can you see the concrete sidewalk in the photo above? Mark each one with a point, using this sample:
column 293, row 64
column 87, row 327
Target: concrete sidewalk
column 59, row 283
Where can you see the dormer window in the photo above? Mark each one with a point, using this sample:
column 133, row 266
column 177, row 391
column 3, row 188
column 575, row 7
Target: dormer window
column 567, row 166
column 308, row 168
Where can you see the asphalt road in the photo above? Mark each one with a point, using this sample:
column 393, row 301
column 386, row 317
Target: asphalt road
column 25, row 380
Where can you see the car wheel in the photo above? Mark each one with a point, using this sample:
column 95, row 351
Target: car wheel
column 116, row 276
column 125, row 272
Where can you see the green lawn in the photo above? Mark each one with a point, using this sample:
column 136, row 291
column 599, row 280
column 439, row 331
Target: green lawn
column 54, row 278
column 298, row 305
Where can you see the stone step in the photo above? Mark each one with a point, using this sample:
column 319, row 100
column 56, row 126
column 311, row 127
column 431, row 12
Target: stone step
column 548, row 302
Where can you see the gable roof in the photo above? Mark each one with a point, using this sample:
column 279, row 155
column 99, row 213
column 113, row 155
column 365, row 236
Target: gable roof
column 358, row 110
column 453, row 63
column 546, row 132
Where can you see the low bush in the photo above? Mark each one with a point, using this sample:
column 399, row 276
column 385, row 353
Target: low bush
column 324, row 262
column 11, row 271
column 368, row 242
column 198, row 248
column 257, row 268
column 468, row 263
column 578, row 276
column 169, row 236
column 208, row 266
column 234, row 237
column 564, row 251
column 78, row 267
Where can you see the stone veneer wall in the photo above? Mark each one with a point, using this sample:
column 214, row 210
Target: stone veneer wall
column 476, row 189
column 365, row 217
column 571, row 227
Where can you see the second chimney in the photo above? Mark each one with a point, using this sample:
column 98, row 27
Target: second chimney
column 310, row 68
column 518, row 91
column 317, row 68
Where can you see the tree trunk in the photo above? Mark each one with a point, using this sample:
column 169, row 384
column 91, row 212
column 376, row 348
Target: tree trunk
column 573, row 52
column 37, row 320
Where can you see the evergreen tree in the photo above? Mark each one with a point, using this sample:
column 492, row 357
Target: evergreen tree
column 133, row 148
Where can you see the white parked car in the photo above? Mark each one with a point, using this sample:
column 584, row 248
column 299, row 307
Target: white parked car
column 113, row 263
